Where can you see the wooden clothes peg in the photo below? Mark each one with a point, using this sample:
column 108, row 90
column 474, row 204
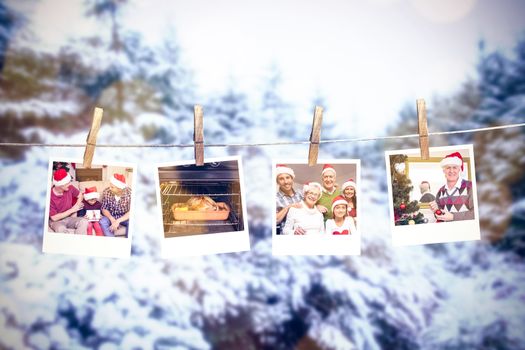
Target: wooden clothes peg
column 198, row 135
column 315, row 136
column 91, row 140
column 422, row 128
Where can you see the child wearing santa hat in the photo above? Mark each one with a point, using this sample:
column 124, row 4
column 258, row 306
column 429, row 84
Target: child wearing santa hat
column 340, row 223
column 91, row 202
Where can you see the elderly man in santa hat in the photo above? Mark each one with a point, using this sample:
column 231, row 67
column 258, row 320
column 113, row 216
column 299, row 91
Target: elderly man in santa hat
column 287, row 197
column 62, row 210
column 330, row 191
column 116, row 204
column 454, row 200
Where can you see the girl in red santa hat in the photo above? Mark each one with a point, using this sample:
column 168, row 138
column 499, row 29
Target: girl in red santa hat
column 341, row 223
column 92, row 204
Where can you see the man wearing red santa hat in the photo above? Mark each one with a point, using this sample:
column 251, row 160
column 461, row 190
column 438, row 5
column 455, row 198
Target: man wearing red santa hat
column 62, row 211
column 287, row 197
column 330, row 191
column 454, row 200
column 116, row 204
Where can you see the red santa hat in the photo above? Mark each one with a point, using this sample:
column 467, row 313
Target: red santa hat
column 284, row 169
column 119, row 181
column 348, row 183
column 338, row 200
column 327, row 167
column 91, row 193
column 61, row 177
column 452, row 159
column 309, row 185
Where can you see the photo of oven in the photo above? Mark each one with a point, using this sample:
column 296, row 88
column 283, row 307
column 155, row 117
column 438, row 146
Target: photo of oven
column 201, row 199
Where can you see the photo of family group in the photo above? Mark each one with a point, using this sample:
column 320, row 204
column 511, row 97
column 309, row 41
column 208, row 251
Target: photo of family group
column 88, row 210
column 433, row 200
column 202, row 207
column 316, row 202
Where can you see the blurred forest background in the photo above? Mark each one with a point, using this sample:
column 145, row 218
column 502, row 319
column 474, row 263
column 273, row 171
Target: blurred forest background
column 443, row 296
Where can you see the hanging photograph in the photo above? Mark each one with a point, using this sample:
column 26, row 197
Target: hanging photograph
column 88, row 210
column 432, row 200
column 202, row 208
column 317, row 208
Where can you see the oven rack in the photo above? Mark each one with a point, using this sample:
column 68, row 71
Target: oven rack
column 221, row 191
column 202, row 194
column 176, row 189
column 204, row 223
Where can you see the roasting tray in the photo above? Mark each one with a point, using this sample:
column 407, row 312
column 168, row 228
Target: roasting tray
column 196, row 215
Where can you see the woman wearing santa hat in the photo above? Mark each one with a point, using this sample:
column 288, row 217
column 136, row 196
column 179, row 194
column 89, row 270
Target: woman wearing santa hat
column 348, row 190
column 116, row 203
column 454, row 200
column 306, row 220
column 341, row 223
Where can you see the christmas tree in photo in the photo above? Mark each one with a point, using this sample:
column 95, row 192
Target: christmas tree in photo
column 406, row 212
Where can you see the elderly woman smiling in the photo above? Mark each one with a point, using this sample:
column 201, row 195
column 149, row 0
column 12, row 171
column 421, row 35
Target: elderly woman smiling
column 306, row 220
column 116, row 202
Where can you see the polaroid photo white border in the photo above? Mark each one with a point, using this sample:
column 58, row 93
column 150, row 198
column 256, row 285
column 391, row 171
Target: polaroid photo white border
column 210, row 243
column 97, row 246
column 440, row 232
column 317, row 244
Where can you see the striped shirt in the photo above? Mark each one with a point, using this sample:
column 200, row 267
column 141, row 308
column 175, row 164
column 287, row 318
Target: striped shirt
column 283, row 200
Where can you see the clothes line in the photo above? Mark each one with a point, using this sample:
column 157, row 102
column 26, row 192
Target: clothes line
column 287, row 143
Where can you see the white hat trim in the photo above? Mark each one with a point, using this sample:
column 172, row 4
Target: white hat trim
column 328, row 169
column 67, row 179
column 118, row 183
column 91, row 195
column 451, row 161
column 285, row 170
column 337, row 202
column 348, row 184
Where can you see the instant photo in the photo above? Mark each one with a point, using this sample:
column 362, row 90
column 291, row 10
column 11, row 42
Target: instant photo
column 432, row 200
column 202, row 208
column 316, row 208
column 89, row 210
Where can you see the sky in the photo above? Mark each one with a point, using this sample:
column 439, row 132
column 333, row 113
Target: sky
column 366, row 58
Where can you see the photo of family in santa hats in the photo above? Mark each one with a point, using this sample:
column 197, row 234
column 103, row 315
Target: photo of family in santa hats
column 312, row 201
column 442, row 201
column 87, row 202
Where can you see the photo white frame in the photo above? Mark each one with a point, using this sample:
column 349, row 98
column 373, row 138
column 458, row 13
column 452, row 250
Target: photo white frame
column 210, row 243
column 318, row 244
column 97, row 246
column 442, row 232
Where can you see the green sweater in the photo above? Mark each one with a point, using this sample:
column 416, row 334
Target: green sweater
column 326, row 201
